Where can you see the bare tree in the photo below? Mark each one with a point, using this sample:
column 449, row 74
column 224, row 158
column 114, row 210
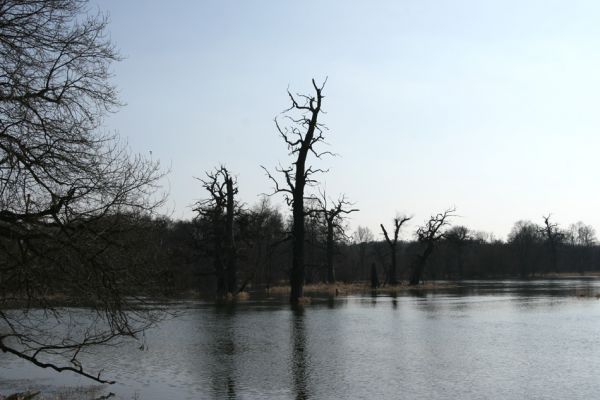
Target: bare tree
column 398, row 222
column 553, row 237
column 583, row 237
column 333, row 214
column 428, row 235
column 580, row 234
column 72, row 199
column 301, row 138
column 220, row 210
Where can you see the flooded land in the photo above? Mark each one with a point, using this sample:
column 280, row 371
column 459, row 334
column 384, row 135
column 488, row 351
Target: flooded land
column 472, row 340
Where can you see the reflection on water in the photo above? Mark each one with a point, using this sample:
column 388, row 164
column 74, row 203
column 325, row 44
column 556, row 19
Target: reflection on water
column 299, row 354
column 223, row 352
column 481, row 339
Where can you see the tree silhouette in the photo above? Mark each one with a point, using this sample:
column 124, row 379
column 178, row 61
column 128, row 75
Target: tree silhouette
column 301, row 136
column 428, row 235
column 220, row 210
column 459, row 237
column 553, row 237
column 333, row 213
column 398, row 222
column 71, row 197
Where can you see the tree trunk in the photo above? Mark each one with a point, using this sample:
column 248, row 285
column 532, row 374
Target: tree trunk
column 374, row 277
column 460, row 263
column 417, row 273
column 297, row 273
column 554, row 258
column 296, row 178
column 393, row 280
column 230, row 241
column 220, row 273
column 330, row 270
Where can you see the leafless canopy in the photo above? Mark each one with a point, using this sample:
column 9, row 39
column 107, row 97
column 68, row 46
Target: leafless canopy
column 69, row 194
column 334, row 211
column 215, row 183
column 432, row 230
column 398, row 222
column 551, row 231
column 301, row 134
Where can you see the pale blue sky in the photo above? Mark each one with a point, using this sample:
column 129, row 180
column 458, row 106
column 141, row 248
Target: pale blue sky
column 490, row 106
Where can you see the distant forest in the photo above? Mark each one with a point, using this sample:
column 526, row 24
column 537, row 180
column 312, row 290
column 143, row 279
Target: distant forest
column 189, row 251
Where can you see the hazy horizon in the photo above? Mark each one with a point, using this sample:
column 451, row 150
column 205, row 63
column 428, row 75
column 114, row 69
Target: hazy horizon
column 488, row 107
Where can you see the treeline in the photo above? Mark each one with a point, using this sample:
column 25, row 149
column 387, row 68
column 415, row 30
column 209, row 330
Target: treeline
column 190, row 255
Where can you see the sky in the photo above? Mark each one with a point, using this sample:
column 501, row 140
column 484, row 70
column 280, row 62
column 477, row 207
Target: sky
column 487, row 106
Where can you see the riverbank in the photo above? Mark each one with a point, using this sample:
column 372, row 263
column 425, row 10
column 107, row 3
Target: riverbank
column 66, row 393
column 344, row 289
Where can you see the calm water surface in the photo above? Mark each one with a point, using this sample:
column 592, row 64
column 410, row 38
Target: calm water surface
column 482, row 340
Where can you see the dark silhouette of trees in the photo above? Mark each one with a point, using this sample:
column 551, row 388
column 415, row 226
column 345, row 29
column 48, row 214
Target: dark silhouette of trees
column 553, row 237
column 266, row 235
column 362, row 237
column 427, row 236
column 374, row 277
column 581, row 238
column 332, row 214
column 525, row 238
column 301, row 138
column 74, row 203
column 220, row 210
column 392, row 277
column 458, row 237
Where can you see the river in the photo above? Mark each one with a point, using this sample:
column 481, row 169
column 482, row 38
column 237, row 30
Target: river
column 480, row 340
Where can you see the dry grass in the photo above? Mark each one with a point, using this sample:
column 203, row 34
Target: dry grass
column 587, row 274
column 585, row 294
column 67, row 393
column 341, row 289
column 231, row 298
column 242, row 296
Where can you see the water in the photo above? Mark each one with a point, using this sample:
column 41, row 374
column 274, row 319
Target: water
column 482, row 340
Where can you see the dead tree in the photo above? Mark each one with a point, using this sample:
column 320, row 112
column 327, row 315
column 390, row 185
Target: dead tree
column 301, row 136
column 333, row 214
column 553, row 237
column 219, row 210
column 392, row 272
column 428, row 235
